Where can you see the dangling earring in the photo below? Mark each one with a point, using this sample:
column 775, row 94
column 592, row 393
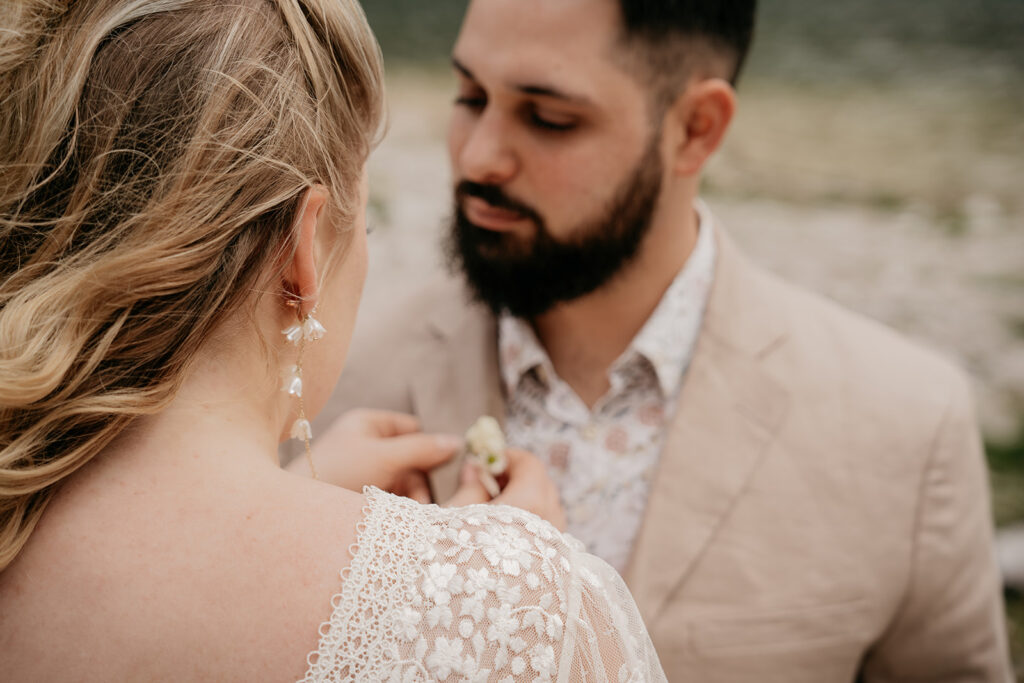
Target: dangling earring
column 309, row 329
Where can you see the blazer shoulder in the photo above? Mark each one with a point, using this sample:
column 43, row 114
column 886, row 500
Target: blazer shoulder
column 393, row 340
column 875, row 366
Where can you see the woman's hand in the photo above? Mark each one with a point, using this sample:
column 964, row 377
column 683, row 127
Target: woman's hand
column 379, row 448
column 528, row 487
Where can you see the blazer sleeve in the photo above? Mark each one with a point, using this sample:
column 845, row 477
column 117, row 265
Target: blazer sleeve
column 951, row 625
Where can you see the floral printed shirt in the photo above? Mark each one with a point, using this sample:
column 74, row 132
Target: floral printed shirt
column 604, row 459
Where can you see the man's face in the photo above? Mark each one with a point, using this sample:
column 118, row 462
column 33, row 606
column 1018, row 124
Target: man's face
column 556, row 163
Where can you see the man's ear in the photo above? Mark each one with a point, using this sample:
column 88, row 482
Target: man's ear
column 697, row 122
column 300, row 274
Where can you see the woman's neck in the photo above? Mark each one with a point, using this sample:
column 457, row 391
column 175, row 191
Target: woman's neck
column 224, row 415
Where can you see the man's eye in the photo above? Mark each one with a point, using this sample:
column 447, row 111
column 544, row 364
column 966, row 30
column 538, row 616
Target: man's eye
column 549, row 124
column 472, row 102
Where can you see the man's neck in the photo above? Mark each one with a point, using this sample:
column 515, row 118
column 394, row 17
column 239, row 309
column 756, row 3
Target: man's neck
column 584, row 337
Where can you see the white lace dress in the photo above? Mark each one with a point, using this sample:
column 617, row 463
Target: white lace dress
column 481, row 593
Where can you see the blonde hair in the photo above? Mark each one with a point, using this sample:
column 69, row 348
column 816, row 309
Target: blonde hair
column 152, row 156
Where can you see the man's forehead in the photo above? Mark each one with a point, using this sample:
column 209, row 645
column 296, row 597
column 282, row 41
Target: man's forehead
column 545, row 16
column 537, row 41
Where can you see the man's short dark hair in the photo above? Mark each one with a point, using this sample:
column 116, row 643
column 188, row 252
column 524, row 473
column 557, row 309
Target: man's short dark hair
column 671, row 37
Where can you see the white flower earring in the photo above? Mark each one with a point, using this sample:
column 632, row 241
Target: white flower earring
column 307, row 330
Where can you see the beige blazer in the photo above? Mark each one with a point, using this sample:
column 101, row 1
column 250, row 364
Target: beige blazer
column 820, row 511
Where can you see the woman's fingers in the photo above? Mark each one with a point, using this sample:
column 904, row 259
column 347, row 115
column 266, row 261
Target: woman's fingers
column 471, row 490
column 382, row 423
column 379, row 448
column 529, row 487
column 420, row 451
column 387, row 449
column 414, row 485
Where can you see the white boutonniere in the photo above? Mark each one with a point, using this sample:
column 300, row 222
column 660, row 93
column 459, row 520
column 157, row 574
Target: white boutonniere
column 486, row 445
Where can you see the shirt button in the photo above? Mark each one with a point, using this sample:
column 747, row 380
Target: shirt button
column 589, row 432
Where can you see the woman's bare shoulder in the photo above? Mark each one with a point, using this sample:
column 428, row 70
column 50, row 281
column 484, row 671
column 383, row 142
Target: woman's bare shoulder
column 229, row 579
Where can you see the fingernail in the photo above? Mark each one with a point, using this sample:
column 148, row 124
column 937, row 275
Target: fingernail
column 448, row 442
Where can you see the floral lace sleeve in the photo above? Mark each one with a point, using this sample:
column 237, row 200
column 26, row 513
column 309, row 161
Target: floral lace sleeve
column 481, row 593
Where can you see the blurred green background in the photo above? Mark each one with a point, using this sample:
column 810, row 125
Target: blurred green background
column 908, row 115
column 809, row 41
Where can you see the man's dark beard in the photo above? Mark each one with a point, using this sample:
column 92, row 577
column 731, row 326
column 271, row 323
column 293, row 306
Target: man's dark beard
column 528, row 278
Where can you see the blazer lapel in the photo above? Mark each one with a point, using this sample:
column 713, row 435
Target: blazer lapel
column 458, row 380
column 728, row 413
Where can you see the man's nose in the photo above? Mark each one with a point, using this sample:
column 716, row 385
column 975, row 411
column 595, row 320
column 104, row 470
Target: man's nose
column 487, row 155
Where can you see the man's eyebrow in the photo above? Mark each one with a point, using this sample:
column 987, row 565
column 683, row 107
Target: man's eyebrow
column 548, row 91
column 529, row 89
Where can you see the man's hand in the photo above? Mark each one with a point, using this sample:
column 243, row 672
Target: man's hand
column 528, row 487
column 379, row 448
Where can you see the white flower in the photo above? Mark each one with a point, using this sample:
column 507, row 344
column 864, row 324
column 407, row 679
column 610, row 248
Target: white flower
column 485, row 436
column 441, row 581
column 503, row 624
column 485, row 441
column 446, row 657
column 480, row 581
column 504, row 547
column 301, row 430
column 293, row 385
column 538, row 527
column 475, row 519
column 542, row 659
column 517, row 645
column 427, row 553
column 547, row 550
column 293, row 333
column 312, row 330
column 406, row 622
column 458, row 537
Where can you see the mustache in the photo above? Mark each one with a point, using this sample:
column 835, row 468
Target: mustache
column 496, row 197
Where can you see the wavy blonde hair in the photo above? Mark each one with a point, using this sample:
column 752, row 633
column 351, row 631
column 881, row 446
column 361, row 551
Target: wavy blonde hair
column 152, row 156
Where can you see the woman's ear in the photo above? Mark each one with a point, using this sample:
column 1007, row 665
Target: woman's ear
column 300, row 274
column 697, row 122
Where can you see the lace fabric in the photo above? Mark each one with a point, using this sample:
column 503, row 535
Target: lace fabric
column 474, row 594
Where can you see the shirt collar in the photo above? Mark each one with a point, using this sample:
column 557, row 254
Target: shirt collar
column 669, row 336
column 519, row 352
column 666, row 340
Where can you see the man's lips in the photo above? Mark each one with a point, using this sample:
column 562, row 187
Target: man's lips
column 484, row 215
